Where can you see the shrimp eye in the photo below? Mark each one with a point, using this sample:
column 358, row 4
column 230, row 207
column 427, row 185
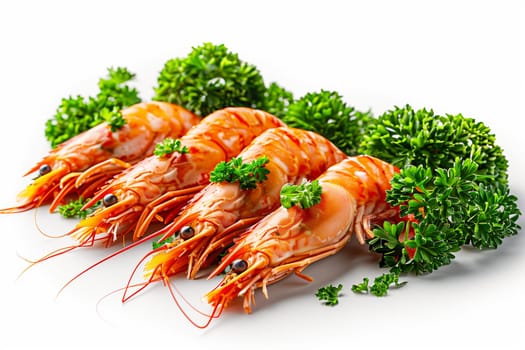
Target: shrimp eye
column 186, row 232
column 239, row 265
column 109, row 199
column 44, row 169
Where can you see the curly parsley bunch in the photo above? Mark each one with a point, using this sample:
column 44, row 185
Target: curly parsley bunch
column 452, row 189
column 326, row 113
column 77, row 114
column 404, row 136
column 209, row 78
column 452, row 208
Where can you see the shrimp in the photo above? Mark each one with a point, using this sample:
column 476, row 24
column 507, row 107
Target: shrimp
column 106, row 150
column 159, row 183
column 214, row 216
column 289, row 240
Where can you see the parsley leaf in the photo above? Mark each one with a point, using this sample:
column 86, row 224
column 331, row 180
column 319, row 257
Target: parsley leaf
column 113, row 117
column 246, row 174
column 158, row 244
column 168, row 146
column 327, row 114
column 404, row 137
column 77, row 114
column 305, row 195
column 361, row 287
column 329, row 294
column 380, row 286
column 73, row 209
column 209, row 78
column 452, row 207
column 277, row 100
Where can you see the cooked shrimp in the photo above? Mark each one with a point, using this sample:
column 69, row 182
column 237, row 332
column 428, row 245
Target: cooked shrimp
column 167, row 182
column 214, row 216
column 146, row 124
column 289, row 240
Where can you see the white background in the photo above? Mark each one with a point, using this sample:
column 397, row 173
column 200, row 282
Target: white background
column 452, row 56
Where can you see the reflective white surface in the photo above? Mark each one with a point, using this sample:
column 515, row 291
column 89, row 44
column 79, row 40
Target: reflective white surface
column 453, row 57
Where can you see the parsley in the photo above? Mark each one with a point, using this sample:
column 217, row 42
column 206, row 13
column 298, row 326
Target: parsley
column 77, row 114
column 326, row 113
column 158, row 244
column 168, row 146
column 73, row 209
column 380, row 286
column 247, row 174
column 210, row 78
column 452, row 208
column 361, row 287
column 329, row 294
column 453, row 185
column 305, row 195
column 277, row 100
column 404, row 137
column 113, row 117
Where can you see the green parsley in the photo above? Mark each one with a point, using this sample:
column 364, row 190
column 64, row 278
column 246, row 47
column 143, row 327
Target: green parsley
column 158, row 244
column 305, row 195
column 404, row 137
column 210, row 78
column 326, row 113
column 452, row 208
column 277, row 100
column 361, row 287
column 113, row 117
column 73, row 209
column 168, row 146
column 329, row 294
column 246, row 174
column 380, row 286
column 77, row 114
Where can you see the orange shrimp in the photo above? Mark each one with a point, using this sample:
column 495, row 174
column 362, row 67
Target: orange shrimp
column 146, row 124
column 289, row 240
column 163, row 183
column 214, row 216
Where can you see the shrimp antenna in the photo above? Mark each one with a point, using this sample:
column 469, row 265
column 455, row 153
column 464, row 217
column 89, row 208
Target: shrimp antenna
column 53, row 254
column 152, row 278
column 216, row 312
column 51, row 209
column 40, row 229
column 118, row 252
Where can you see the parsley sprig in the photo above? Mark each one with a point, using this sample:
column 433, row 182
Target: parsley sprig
column 326, row 113
column 157, row 244
column 73, row 209
column 304, row 195
column 380, row 286
column 329, row 294
column 452, row 207
column 452, row 189
column 246, row 174
column 210, row 77
column 168, row 146
column 277, row 100
column 404, row 136
column 77, row 114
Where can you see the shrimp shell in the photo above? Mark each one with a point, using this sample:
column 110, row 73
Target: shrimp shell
column 221, row 210
column 146, row 124
column 289, row 240
column 167, row 182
